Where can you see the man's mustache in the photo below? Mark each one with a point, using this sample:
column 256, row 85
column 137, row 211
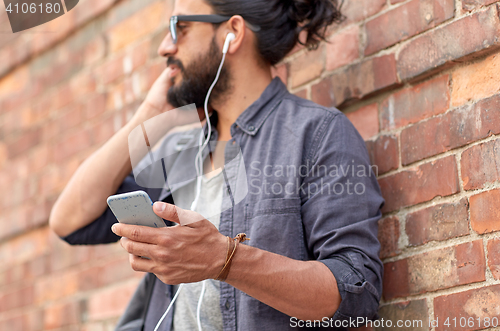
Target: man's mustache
column 178, row 63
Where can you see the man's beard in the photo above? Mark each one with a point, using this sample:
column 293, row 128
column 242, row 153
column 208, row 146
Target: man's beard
column 197, row 79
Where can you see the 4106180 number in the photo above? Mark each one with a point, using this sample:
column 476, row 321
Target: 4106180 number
column 33, row 8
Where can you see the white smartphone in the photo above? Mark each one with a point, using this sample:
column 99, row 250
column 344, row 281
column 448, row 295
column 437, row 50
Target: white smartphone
column 135, row 208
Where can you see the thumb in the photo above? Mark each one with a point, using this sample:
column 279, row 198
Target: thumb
column 176, row 214
column 167, row 211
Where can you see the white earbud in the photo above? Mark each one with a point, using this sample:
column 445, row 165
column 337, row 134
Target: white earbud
column 230, row 37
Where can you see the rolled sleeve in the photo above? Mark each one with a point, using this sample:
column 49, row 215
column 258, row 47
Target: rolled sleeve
column 341, row 212
column 99, row 231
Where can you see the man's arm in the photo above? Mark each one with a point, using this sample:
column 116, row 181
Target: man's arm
column 84, row 198
column 306, row 290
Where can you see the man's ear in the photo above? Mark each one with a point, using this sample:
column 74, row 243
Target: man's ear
column 237, row 26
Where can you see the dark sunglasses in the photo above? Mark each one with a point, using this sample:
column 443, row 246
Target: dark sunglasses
column 214, row 19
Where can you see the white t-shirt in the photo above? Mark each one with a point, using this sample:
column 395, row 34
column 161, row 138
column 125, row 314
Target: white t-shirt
column 209, row 206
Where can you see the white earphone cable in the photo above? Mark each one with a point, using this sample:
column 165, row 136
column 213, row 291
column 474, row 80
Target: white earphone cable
column 169, row 307
column 199, row 172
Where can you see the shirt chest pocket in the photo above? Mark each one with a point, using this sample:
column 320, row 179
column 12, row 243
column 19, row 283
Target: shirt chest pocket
column 275, row 225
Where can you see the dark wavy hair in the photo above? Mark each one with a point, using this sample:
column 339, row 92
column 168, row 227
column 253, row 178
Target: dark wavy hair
column 282, row 21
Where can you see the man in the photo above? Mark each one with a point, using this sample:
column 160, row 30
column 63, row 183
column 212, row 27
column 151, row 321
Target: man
column 313, row 201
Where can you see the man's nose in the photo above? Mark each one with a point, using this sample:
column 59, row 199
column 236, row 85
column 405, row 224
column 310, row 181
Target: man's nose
column 167, row 47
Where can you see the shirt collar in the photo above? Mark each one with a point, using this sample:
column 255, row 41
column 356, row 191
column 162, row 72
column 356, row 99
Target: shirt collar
column 251, row 120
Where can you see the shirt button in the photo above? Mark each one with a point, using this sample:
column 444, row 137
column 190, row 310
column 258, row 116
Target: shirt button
column 228, row 305
column 251, row 128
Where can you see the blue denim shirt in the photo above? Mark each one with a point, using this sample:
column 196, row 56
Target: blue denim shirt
column 312, row 195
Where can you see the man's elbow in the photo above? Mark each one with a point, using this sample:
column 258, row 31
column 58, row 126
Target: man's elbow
column 58, row 223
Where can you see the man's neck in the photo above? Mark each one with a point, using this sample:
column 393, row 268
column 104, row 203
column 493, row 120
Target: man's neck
column 248, row 85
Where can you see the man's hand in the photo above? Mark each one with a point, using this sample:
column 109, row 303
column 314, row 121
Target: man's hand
column 156, row 100
column 179, row 254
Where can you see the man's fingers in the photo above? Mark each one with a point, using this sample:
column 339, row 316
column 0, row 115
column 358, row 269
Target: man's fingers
column 137, row 248
column 143, row 234
column 139, row 264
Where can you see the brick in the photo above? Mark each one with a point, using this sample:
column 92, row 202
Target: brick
column 25, row 320
column 384, row 153
column 51, row 131
column 365, row 120
column 454, row 129
column 100, row 276
column 363, row 328
column 16, row 298
column 302, row 93
column 4, row 154
column 88, row 10
column 281, row 71
column 56, row 286
column 414, row 104
column 480, row 303
column 342, row 48
column 420, row 184
column 476, row 81
column 441, row 222
column 71, row 118
column 481, row 165
column 12, row 323
column 472, row 4
column 322, row 93
column 106, row 128
column 49, row 181
column 62, row 314
column 95, row 51
column 17, row 52
column 18, row 213
column 396, row 279
column 95, row 106
column 413, row 312
column 156, row 40
column 388, row 235
column 25, row 247
column 63, row 256
column 111, row 70
column 464, row 39
column 15, row 82
column 493, row 248
column 111, row 302
column 435, row 270
column 105, row 251
column 485, row 212
column 307, row 66
column 406, row 21
column 357, row 10
column 72, row 144
column 123, row 64
column 65, row 67
column 139, row 25
column 33, row 320
column 82, row 84
column 24, row 142
column 359, row 80
column 39, row 158
column 63, row 96
column 39, row 214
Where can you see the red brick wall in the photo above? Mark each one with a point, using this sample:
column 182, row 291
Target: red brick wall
column 418, row 78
